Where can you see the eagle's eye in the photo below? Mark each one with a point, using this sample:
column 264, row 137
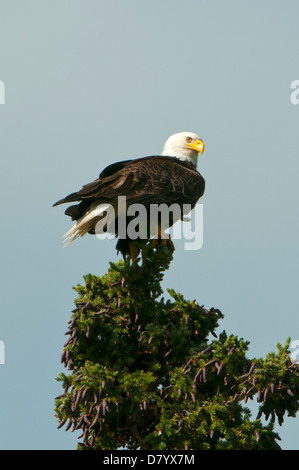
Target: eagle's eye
column 188, row 139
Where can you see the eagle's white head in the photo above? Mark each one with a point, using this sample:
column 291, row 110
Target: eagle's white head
column 184, row 145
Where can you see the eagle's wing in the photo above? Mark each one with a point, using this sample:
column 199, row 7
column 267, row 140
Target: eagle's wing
column 148, row 180
column 98, row 187
column 168, row 180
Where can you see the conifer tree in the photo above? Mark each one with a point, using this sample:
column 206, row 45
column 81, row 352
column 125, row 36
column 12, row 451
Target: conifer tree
column 153, row 374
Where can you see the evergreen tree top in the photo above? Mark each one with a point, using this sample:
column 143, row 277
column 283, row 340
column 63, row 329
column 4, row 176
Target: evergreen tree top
column 144, row 373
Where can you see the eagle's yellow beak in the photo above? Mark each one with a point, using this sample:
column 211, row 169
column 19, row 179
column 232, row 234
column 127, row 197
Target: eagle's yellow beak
column 197, row 145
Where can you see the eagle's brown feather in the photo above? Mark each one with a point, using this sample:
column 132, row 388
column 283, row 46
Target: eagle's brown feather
column 147, row 180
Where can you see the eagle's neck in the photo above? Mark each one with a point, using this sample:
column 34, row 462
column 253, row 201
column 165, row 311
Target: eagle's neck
column 192, row 159
column 187, row 155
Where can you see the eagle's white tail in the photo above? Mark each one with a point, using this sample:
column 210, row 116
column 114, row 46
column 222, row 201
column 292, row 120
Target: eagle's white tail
column 89, row 221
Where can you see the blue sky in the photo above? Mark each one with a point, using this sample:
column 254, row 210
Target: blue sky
column 91, row 82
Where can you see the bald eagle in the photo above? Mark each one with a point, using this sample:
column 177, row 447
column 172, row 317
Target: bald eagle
column 169, row 178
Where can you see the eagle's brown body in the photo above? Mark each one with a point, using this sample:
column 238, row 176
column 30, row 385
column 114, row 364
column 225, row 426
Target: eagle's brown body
column 148, row 180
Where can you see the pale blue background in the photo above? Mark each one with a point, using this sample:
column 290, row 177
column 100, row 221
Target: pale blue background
column 90, row 82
